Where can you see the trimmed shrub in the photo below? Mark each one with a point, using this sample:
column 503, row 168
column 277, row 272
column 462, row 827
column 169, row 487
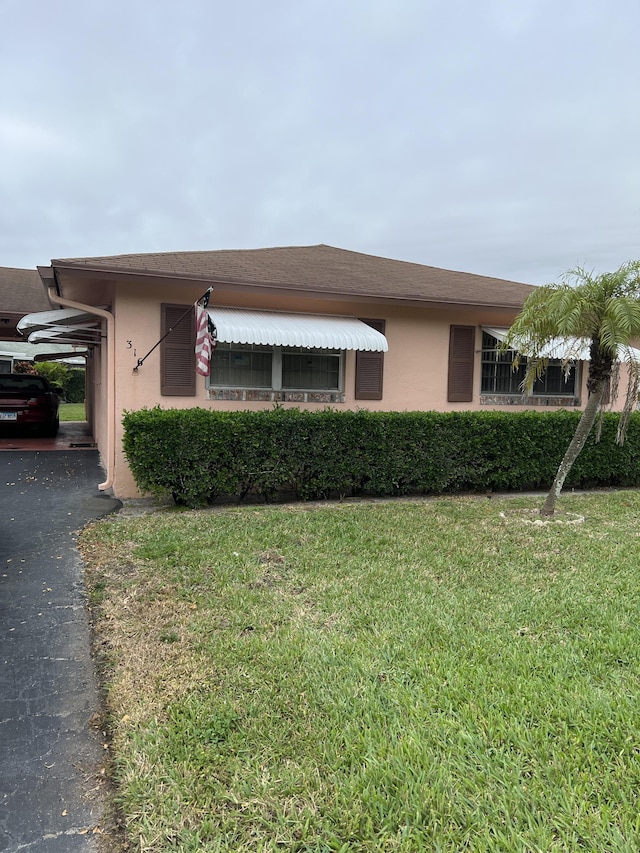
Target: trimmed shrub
column 55, row 372
column 67, row 382
column 198, row 455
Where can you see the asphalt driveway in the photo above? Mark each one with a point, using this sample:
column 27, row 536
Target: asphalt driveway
column 50, row 791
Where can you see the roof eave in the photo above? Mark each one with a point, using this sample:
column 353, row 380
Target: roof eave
column 276, row 288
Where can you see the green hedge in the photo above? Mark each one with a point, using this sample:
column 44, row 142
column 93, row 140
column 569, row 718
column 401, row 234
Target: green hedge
column 198, row 455
column 67, row 382
column 74, row 387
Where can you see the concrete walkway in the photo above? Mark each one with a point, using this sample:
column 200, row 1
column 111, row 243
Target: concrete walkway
column 50, row 757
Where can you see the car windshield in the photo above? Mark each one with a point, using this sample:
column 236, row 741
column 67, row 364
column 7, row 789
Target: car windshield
column 26, row 383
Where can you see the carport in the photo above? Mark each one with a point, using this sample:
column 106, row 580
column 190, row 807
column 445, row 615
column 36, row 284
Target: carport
column 21, row 292
column 72, row 435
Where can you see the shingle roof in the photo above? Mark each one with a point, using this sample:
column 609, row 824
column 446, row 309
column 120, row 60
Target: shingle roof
column 21, row 291
column 317, row 269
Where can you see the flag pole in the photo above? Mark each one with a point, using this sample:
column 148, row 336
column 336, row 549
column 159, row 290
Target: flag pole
column 166, row 335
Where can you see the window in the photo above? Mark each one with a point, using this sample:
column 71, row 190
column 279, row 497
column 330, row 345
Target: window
column 278, row 368
column 499, row 377
column 311, row 370
column 244, row 366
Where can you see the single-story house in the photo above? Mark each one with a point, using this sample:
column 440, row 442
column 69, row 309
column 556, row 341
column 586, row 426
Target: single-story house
column 311, row 326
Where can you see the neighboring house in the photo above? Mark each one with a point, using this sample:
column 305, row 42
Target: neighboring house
column 308, row 326
column 21, row 293
column 12, row 352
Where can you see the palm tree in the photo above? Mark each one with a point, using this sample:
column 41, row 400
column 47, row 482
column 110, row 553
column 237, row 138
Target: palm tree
column 601, row 312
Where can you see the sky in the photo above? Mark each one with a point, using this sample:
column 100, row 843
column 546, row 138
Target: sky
column 499, row 137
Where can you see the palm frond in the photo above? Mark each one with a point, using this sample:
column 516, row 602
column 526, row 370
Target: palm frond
column 534, row 370
column 622, row 317
column 583, row 309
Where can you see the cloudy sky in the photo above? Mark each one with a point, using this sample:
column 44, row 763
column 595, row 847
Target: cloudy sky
column 499, row 137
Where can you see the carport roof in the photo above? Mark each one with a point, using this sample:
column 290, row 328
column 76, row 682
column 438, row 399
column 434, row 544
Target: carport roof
column 64, row 325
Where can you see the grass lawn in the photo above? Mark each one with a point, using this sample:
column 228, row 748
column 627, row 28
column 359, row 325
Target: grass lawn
column 448, row 675
column 72, row 412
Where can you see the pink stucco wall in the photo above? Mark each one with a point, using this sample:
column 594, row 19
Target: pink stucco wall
column 415, row 368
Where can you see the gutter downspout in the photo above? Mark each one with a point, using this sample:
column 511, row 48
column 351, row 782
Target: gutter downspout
column 111, row 374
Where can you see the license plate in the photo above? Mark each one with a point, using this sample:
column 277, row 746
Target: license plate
column 8, row 416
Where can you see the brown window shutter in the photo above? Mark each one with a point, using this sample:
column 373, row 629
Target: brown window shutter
column 177, row 352
column 370, row 369
column 462, row 340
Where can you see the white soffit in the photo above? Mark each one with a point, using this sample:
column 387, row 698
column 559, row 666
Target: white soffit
column 311, row 331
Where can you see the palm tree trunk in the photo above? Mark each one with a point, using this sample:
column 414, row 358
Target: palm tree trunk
column 585, row 425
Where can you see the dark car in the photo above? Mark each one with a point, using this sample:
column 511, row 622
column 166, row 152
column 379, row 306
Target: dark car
column 28, row 402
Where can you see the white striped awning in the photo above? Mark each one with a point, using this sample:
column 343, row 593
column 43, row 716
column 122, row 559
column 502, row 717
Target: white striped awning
column 64, row 325
column 571, row 349
column 311, row 331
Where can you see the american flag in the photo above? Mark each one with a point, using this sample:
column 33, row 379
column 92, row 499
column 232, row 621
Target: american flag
column 206, row 338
